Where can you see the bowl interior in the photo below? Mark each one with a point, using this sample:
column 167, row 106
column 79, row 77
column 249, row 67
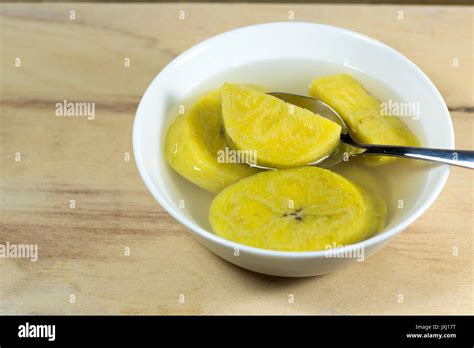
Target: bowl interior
column 264, row 54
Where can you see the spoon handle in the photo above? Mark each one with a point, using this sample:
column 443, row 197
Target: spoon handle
column 461, row 158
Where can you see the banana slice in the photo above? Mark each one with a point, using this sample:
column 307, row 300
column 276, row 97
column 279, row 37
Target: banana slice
column 283, row 135
column 195, row 147
column 362, row 113
column 299, row 209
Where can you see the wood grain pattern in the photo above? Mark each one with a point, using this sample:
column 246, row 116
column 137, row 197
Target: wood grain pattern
column 82, row 249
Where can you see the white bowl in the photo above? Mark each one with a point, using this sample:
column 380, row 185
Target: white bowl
column 291, row 40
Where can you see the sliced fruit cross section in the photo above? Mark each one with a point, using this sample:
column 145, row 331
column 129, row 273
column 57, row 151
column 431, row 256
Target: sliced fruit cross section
column 299, row 209
column 193, row 144
column 283, row 135
column 362, row 113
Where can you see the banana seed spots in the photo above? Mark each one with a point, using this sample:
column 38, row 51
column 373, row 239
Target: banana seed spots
column 295, row 214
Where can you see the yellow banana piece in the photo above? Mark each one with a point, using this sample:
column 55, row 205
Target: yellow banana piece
column 298, row 209
column 195, row 146
column 283, row 135
column 362, row 114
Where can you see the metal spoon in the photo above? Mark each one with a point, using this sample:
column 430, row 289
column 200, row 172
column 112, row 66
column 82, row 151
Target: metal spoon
column 349, row 147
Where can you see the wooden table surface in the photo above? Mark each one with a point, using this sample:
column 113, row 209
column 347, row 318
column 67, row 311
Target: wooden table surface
column 83, row 267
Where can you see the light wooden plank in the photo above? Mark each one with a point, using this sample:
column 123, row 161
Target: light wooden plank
column 82, row 249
